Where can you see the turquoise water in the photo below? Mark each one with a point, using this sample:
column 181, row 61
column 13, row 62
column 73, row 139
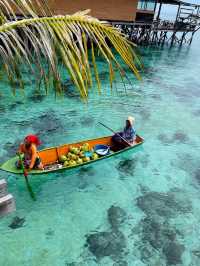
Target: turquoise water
column 140, row 208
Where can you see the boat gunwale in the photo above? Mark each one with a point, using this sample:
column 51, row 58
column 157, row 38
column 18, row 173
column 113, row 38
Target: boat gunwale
column 60, row 146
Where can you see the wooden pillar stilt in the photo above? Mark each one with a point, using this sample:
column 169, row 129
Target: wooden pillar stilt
column 7, row 202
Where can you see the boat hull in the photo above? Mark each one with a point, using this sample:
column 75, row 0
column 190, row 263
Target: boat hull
column 51, row 155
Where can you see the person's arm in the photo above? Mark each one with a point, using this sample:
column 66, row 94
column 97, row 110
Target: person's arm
column 20, row 149
column 34, row 156
column 131, row 135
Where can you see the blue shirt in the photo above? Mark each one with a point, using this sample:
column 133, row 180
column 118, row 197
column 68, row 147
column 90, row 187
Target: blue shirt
column 129, row 133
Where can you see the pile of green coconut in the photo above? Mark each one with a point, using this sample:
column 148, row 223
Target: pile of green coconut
column 78, row 155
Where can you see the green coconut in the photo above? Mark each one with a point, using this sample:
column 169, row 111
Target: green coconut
column 81, row 154
column 71, row 148
column 79, row 161
column 86, row 159
column 76, row 151
column 73, row 157
column 62, row 158
column 84, row 148
column 81, row 148
column 72, row 163
column 66, row 163
column 69, row 155
column 95, row 156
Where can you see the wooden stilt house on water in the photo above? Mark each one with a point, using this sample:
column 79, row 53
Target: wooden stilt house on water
column 140, row 20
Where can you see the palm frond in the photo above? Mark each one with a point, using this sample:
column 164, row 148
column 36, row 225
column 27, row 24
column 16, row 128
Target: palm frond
column 32, row 40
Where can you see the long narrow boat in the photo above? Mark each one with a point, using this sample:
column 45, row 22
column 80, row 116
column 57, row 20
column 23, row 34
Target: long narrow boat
column 50, row 156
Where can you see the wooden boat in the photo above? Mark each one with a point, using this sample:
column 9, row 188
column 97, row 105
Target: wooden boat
column 50, row 156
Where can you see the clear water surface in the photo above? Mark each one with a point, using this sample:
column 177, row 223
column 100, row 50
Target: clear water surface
column 140, row 208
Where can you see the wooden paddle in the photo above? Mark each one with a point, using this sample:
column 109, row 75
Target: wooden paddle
column 115, row 133
column 25, row 172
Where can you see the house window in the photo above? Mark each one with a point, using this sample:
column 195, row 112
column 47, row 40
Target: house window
column 146, row 4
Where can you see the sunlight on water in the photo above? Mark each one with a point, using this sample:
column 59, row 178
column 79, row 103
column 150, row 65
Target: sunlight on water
column 140, row 208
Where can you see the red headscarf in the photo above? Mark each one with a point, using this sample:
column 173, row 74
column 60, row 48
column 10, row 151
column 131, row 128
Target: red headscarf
column 33, row 139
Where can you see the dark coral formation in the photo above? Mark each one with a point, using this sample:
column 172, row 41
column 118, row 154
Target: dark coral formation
column 163, row 204
column 2, row 109
column 116, row 216
column 197, row 175
column 197, row 113
column 120, row 263
column 157, row 235
column 36, row 98
column 144, row 160
column 104, row 244
column 87, row 121
column 110, row 243
column 173, row 252
column 127, row 166
column 71, row 264
column 155, row 230
column 196, row 253
column 185, row 162
column 46, row 125
column 86, row 171
column 49, row 234
column 177, row 137
column 17, row 222
column 14, row 105
column 70, row 90
column 164, row 139
column 190, row 164
column 156, row 97
column 83, row 185
column 183, row 94
column 83, row 173
column 69, row 93
column 72, row 113
column 145, row 114
column 11, row 148
column 180, row 137
column 103, row 75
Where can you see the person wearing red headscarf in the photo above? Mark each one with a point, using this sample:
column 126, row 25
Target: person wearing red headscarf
column 29, row 149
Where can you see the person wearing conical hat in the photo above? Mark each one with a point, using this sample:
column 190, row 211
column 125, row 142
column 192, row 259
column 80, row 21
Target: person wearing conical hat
column 129, row 134
column 29, row 149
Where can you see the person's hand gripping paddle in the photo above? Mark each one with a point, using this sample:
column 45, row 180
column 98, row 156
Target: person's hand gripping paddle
column 25, row 172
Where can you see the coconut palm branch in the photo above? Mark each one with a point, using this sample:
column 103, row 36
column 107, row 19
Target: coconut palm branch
column 42, row 42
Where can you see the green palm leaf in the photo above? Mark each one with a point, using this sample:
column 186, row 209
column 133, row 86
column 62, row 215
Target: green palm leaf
column 43, row 43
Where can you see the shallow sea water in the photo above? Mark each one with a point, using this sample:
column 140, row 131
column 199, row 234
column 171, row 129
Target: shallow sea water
column 139, row 208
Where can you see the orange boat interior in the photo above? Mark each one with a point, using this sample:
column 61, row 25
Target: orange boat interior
column 51, row 155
